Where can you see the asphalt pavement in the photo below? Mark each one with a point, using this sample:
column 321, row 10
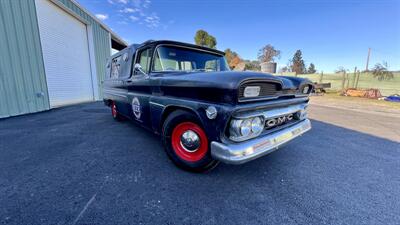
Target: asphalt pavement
column 76, row 165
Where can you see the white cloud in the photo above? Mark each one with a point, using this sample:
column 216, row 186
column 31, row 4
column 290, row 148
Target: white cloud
column 128, row 10
column 137, row 3
column 141, row 3
column 123, row 22
column 152, row 21
column 139, row 13
column 146, row 3
column 111, row 2
column 134, row 18
column 123, row 1
column 102, row 16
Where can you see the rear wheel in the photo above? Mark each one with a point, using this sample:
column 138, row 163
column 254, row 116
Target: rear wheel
column 186, row 143
column 114, row 112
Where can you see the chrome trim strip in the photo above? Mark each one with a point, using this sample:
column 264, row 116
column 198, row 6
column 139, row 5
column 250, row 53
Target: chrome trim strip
column 272, row 113
column 114, row 90
column 238, row 153
column 157, row 104
column 258, row 99
column 115, row 93
column 255, row 99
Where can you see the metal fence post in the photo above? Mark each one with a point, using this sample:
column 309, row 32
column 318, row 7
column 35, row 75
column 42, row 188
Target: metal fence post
column 357, row 78
column 354, row 77
column 321, row 76
column 343, row 79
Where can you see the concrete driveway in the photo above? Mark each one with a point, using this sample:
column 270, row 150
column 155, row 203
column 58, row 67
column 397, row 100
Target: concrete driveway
column 75, row 165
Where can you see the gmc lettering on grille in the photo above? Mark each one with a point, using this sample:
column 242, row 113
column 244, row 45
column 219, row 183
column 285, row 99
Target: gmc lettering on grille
column 270, row 123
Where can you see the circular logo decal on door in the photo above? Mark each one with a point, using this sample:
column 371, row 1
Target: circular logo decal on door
column 136, row 107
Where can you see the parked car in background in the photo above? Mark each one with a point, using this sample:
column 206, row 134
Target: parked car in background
column 204, row 113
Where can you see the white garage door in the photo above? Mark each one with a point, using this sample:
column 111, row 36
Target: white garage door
column 66, row 55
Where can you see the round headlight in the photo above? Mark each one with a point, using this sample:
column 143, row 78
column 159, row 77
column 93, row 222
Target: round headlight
column 306, row 89
column 256, row 125
column 245, row 128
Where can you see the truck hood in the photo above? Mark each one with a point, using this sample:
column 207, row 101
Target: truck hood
column 216, row 86
column 224, row 80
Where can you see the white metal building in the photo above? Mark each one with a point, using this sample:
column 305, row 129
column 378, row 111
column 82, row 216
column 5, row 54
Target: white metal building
column 62, row 50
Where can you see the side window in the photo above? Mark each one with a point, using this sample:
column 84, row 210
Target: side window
column 115, row 67
column 144, row 59
column 212, row 65
column 186, row 65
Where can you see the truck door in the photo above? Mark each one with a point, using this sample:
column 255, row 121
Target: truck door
column 139, row 88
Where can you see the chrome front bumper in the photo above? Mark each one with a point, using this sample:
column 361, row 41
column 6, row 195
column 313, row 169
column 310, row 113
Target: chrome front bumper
column 238, row 153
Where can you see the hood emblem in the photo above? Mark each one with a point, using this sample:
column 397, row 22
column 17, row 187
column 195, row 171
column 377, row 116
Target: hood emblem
column 211, row 112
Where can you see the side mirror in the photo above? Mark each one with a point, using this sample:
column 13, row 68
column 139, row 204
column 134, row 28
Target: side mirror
column 138, row 68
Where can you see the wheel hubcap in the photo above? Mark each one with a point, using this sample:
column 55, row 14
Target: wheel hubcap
column 114, row 110
column 190, row 141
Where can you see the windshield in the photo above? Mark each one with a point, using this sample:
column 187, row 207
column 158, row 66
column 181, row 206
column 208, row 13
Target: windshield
column 168, row 58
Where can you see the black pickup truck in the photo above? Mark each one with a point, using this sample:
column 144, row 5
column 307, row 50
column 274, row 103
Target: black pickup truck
column 204, row 113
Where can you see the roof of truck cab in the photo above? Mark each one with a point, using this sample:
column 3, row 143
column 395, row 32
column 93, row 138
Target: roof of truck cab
column 169, row 42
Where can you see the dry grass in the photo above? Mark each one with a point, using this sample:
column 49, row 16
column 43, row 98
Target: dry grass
column 381, row 107
column 386, row 87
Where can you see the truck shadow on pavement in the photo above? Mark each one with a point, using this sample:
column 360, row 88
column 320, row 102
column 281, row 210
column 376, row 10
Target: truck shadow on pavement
column 76, row 164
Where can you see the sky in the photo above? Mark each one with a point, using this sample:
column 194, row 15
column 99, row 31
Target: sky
column 330, row 34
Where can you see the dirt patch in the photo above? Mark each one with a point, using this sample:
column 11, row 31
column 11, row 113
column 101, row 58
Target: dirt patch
column 378, row 107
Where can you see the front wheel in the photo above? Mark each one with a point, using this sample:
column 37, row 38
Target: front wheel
column 186, row 143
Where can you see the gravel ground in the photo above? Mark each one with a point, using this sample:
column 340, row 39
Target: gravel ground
column 75, row 165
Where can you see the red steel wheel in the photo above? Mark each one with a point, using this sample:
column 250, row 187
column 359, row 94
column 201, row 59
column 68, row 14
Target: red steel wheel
column 189, row 141
column 114, row 112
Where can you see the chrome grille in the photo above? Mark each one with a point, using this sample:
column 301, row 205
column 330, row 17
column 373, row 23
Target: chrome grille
column 267, row 89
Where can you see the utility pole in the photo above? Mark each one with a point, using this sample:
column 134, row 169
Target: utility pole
column 369, row 53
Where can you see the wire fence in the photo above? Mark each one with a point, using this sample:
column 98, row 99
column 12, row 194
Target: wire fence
column 342, row 81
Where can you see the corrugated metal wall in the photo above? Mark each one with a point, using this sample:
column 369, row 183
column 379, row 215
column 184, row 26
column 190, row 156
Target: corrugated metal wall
column 101, row 41
column 23, row 86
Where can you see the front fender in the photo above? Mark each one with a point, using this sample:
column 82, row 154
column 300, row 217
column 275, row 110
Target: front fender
column 160, row 108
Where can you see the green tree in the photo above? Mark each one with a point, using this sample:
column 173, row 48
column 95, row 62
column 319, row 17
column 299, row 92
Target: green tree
column 253, row 65
column 268, row 53
column 232, row 58
column 229, row 55
column 381, row 72
column 311, row 69
column 204, row 39
column 298, row 65
column 284, row 69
